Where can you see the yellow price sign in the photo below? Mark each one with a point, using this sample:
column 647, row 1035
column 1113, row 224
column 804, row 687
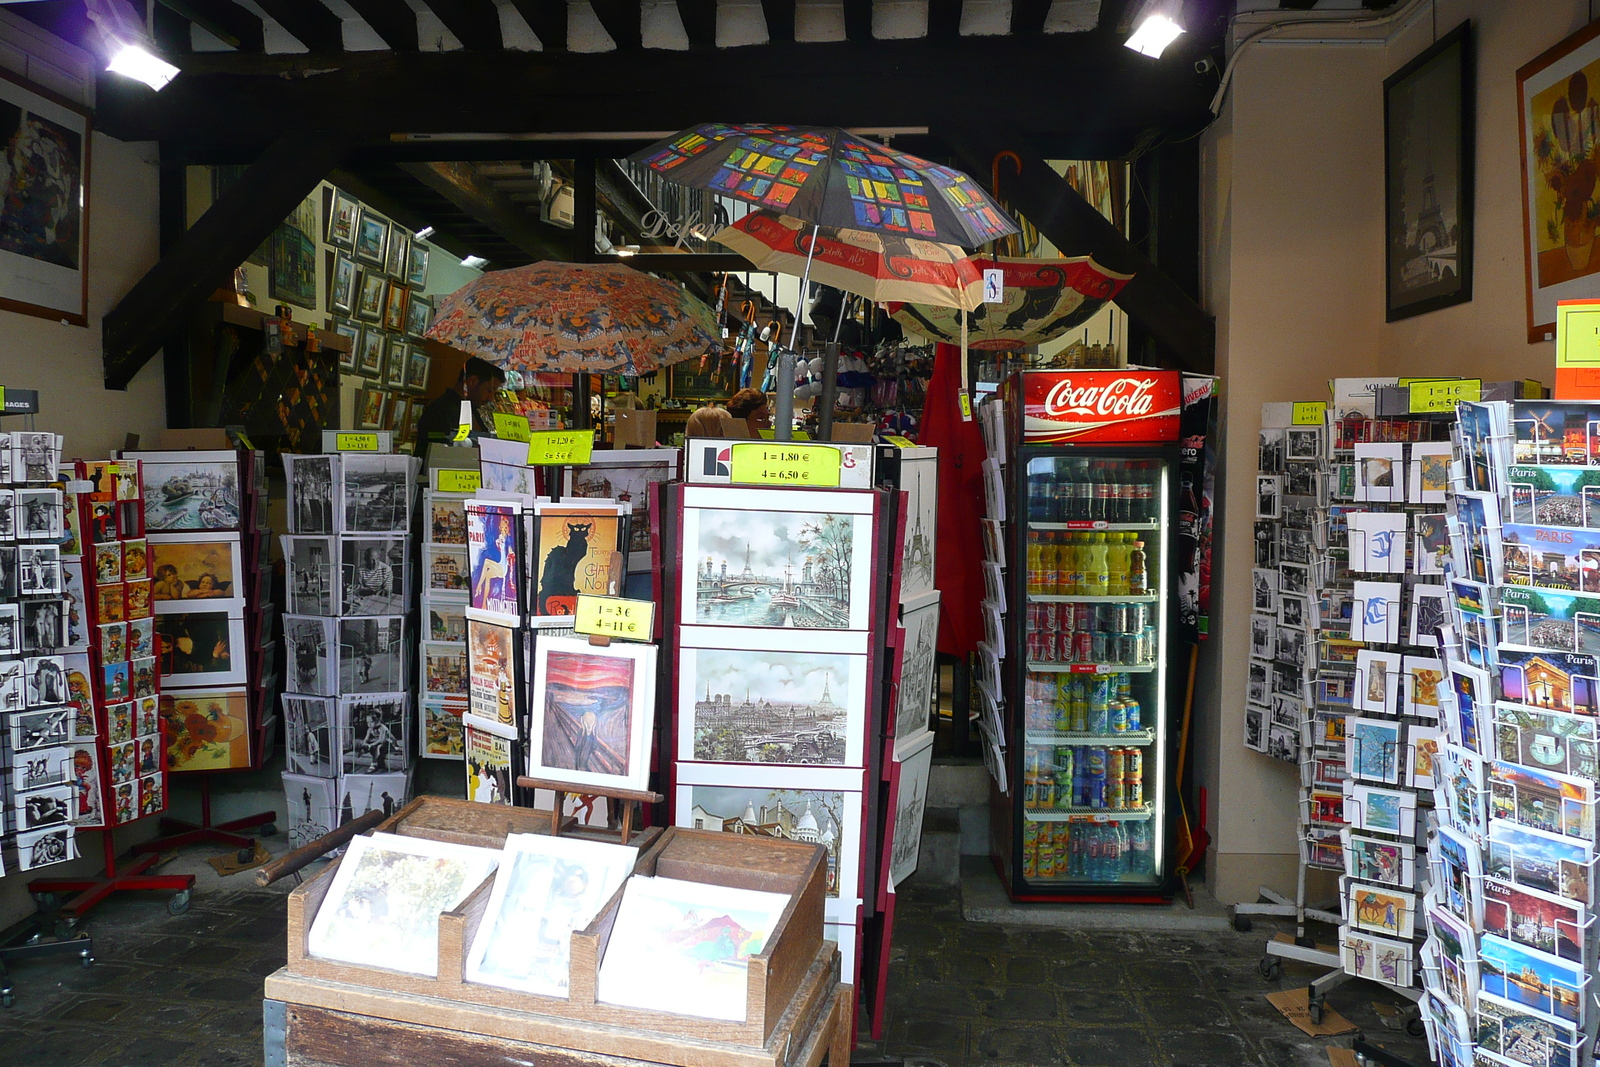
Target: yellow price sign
column 1578, row 333
column 966, row 404
column 1308, row 412
column 815, row 466
column 510, row 427
column 1435, row 397
column 1532, row 389
column 610, row 616
column 458, row 481
column 900, row 442
column 355, row 442
column 244, row 441
column 548, row 447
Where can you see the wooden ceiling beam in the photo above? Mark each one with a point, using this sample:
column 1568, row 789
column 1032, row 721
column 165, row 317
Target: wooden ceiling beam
column 699, row 22
column 313, row 25
column 204, row 257
column 481, row 201
column 1027, row 16
column 780, row 20
column 621, row 20
column 230, row 102
column 944, row 19
column 222, row 19
column 171, row 31
column 858, row 20
column 547, row 19
column 392, row 20
column 476, row 23
column 1179, row 325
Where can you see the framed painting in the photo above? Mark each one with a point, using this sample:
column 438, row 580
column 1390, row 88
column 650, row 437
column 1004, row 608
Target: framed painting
column 372, row 239
column 1557, row 116
column 341, row 284
column 44, row 229
column 396, row 358
column 370, row 293
column 591, row 712
column 417, row 265
column 419, row 312
column 394, row 307
column 197, row 566
column 342, row 210
column 1428, row 123
column 369, row 352
column 350, row 330
column 207, row 729
column 293, row 274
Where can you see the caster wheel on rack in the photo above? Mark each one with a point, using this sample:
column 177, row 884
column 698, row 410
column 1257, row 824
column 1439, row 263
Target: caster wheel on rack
column 86, row 959
column 67, row 923
column 6, row 1000
column 1415, row 1028
column 178, row 903
column 269, row 829
column 44, row 901
column 1242, row 923
column 1269, row 967
column 1315, row 1012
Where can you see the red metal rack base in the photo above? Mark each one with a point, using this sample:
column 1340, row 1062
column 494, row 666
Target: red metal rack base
column 180, row 833
column 87, row 892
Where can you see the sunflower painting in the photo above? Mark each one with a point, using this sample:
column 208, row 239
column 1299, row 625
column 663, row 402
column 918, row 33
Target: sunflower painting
column 207, row 730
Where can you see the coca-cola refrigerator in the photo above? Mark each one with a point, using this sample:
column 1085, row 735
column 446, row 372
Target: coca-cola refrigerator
column 1087, row 680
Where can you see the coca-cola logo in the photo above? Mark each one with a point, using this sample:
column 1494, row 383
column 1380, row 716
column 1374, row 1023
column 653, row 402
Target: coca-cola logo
column 1122, row 398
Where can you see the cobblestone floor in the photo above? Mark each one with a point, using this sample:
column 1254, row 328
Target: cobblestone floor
column 186, row 991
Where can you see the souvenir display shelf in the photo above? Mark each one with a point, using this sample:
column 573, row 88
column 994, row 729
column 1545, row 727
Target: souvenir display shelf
column 797, row 1009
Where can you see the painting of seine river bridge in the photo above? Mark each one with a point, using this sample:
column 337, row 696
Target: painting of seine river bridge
column 771, row 707
column 774, row 568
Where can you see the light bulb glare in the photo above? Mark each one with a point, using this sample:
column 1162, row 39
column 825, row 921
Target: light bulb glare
column 136, row 62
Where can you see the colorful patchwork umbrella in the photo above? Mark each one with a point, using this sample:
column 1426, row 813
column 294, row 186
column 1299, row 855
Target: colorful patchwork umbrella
column 1044, row 298
column 578, row 318
column 830, row 177
column 878, row 266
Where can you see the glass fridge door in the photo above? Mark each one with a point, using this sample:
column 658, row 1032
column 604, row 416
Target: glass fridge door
column 1094, row 692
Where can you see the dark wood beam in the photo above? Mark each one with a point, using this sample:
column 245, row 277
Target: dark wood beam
column 858, row 20
column 393, row 20
column 699, row 22
column 396, row 207
column 944, row 19
column 585, row 212
column 204, row 258
column 237, row 100
column 1027, row 16
column 780, row 20
column 547, row 19
column 1114, row 16
column 222, row 19
column 460, row 184
column 621, row 20
column 313, row 25
column 171, row 31
column 1183, row 330
column 476, row 23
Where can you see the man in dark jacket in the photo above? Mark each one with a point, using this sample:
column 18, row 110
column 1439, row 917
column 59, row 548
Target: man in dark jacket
column 479, row 382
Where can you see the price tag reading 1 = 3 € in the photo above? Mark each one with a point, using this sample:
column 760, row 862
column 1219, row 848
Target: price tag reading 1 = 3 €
column 548, row 447
column 609, row 616
column 816, row 466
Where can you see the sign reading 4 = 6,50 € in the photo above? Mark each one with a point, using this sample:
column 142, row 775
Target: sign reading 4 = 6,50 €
column 760, row 463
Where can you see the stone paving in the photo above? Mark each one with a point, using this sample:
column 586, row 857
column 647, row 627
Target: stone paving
column 185, row 991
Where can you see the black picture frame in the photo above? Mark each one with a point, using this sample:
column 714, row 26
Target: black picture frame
column 1429, row 118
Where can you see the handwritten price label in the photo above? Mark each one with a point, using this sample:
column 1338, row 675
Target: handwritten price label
column 550, row 447
column 1308, row 412
column 511, row 427
column 458, row 481
column 356, row 442
column 816, row 466
column 609, row 616
column 1434, row 397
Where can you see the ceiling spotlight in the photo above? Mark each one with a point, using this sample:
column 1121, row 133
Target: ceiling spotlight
column 124, row 37
column 475, row 262
column 424, row 233
column 136, row 62
column 1157, row 25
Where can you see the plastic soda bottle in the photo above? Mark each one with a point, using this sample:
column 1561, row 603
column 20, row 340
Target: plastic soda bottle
column 1138, row 571
column 1035, row 562
column 1117, row 550
column 1097, row 572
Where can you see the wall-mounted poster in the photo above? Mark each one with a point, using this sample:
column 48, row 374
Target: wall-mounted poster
column 44, row 205
column 293, row 276
column 591, row 712
column 1428, row 117
column 576, row 552
column 1558, row 116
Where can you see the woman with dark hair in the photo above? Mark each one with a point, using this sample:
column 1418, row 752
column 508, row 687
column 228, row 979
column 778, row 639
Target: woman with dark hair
column 751, row 406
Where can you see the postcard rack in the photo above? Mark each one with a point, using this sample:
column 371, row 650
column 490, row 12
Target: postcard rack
column 796, row 1010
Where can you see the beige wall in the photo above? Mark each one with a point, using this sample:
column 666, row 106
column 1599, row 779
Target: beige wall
column 1292, row 191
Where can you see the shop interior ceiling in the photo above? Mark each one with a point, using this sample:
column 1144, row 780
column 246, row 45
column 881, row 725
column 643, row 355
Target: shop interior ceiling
column 441, row 112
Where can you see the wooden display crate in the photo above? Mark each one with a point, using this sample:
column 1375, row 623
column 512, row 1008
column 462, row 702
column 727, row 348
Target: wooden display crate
column 789, row 981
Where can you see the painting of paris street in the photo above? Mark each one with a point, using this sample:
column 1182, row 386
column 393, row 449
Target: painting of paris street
column 772, row 707
column 775, row 568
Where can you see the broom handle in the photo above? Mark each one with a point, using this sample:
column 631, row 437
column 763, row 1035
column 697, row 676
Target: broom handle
column 1188, row 711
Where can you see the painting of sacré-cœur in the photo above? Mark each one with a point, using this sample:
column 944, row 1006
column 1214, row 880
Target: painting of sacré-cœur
column 774, row 568
column 771, row 707
column 814, row 816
